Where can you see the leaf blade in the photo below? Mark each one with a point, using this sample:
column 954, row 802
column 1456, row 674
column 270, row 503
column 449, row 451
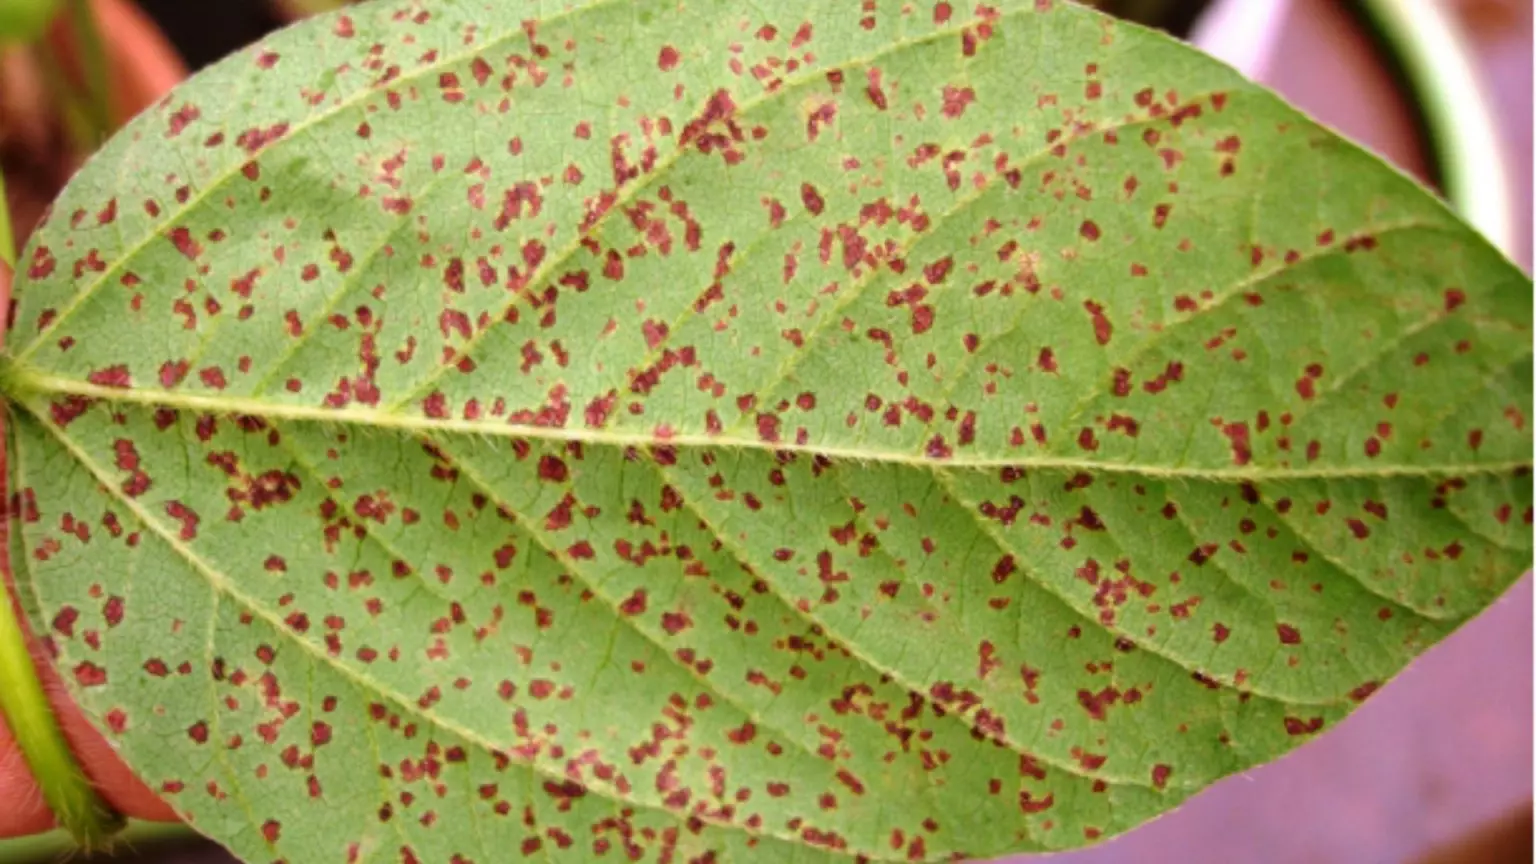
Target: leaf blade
column 1007, row 470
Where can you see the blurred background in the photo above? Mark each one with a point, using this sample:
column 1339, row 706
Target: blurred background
column 1443, row 88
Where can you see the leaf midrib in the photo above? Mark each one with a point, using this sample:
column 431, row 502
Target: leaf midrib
column 31, row 389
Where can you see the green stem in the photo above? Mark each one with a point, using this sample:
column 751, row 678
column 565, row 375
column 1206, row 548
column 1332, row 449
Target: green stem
column 93, row 60
column 24, row 706
column 7, row 236
column 56, row 846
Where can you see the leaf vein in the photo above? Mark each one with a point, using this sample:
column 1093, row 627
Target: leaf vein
column 1221, row 299
column 1003, row 546
column 20, row 382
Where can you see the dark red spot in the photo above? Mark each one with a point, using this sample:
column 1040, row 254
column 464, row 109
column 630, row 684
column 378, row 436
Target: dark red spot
column 1102, row 329
column 675, row 622
column 181, row 238
column 1046, row 360
column 1364, row 691
column 112, row 376
column 812, row 199
column 553, row 469
column 1238, row 437
column 1297, row 726
column 112, row 611
column 64, row 621
column 182, row 118
column 956, row 100
column 634, row 604
column 88, row 674
column 922, row 319
column 768, row 427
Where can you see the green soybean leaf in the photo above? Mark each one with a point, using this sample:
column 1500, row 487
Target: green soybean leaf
column 745, row 431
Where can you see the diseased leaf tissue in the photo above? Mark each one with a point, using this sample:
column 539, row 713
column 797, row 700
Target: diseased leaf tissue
column 706, row 430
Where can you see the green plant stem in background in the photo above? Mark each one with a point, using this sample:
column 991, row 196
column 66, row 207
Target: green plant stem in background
column 7, row 236
column 55, row 846
column 69, row 793
column 93, row 63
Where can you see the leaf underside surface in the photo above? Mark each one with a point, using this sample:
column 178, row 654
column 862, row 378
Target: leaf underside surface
column 727, row 431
